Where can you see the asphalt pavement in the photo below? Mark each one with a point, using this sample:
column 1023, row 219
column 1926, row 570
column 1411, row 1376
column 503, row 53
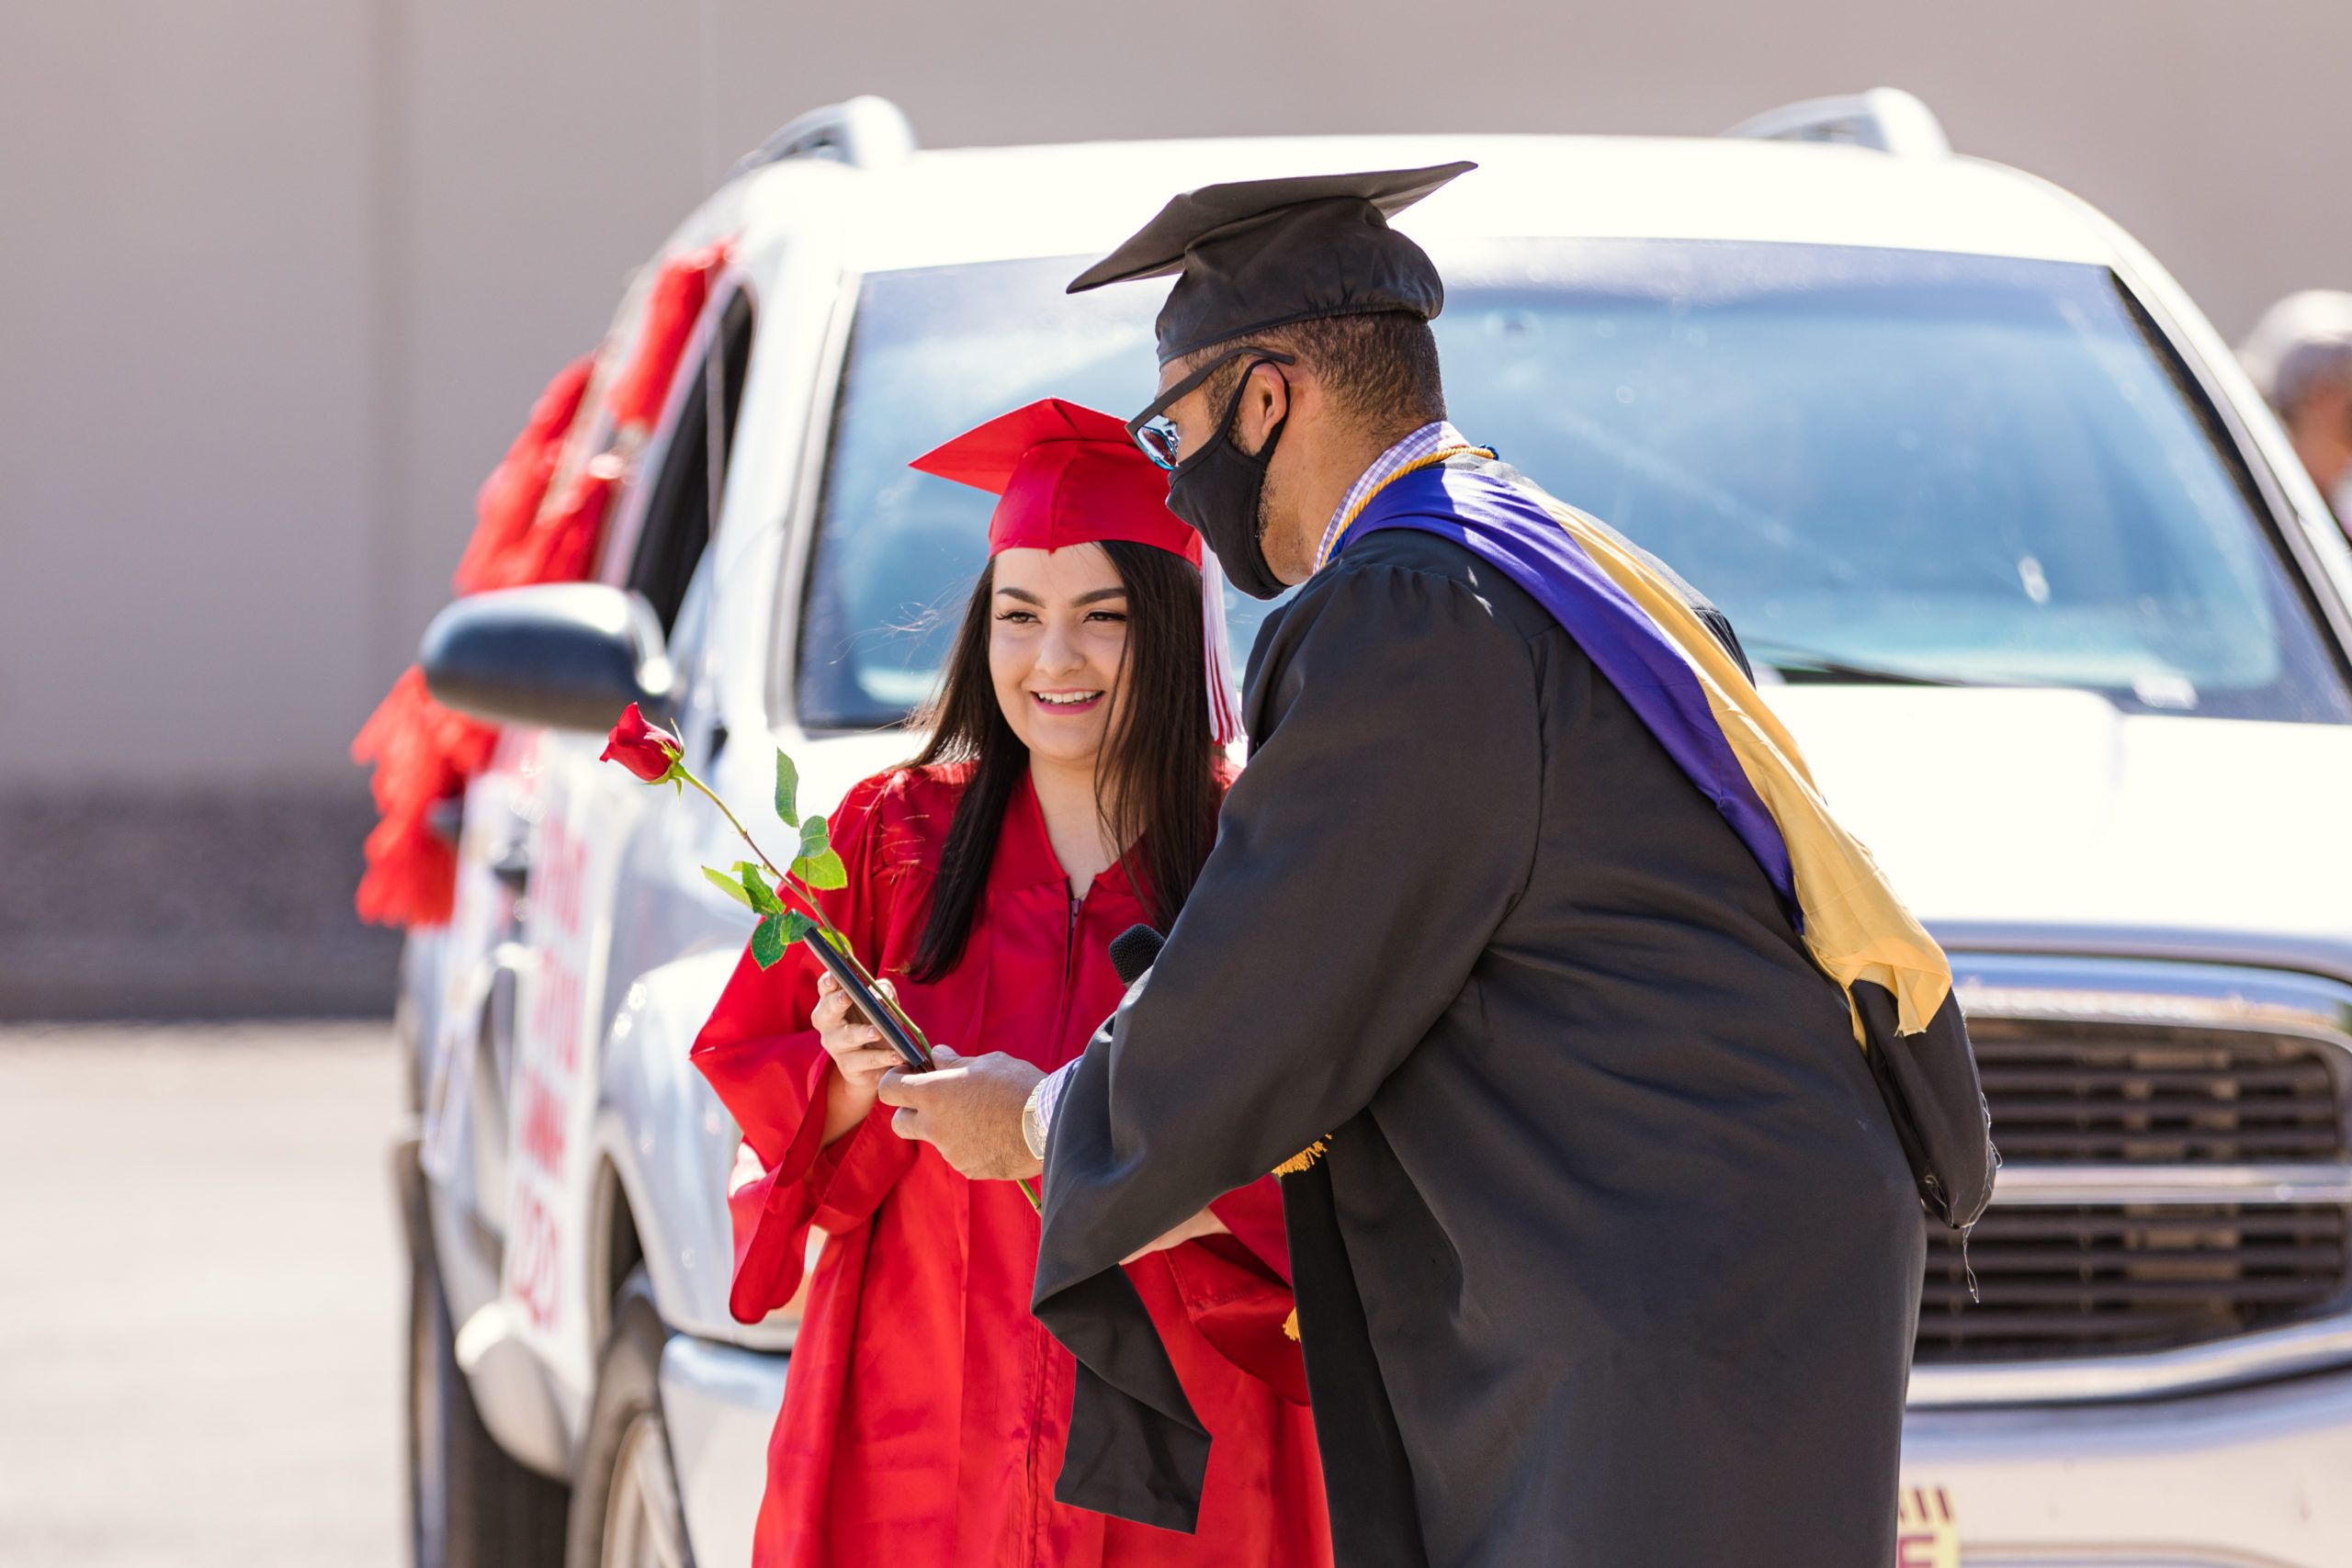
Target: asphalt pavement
column 201, row 1298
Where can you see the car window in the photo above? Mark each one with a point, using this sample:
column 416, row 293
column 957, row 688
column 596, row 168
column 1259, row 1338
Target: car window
column 679, row 514
column 1954, row 468
column 933, row 353
column 1968, row 467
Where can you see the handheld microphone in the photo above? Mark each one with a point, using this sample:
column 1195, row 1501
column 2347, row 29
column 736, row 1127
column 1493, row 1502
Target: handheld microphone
column 1134, row 950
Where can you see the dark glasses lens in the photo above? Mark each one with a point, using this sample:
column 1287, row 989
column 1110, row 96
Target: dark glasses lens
column 1155, row 432
column 1160, row 442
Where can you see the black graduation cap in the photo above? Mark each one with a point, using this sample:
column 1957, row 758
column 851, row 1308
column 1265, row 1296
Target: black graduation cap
column 1260, row 254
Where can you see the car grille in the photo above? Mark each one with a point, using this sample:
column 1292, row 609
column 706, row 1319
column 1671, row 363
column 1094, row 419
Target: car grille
column 2086, row 1093
column 2057, row 1280
column 2101, row 1279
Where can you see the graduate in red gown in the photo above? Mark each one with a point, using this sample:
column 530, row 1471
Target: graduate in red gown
column 1070, row 791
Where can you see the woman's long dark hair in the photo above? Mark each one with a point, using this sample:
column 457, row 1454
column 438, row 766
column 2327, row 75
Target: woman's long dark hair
column 1155, row 785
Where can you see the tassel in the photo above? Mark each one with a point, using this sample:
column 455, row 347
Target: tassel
column 1302, row 1160
column 1224, row 695
column 1290, row 1324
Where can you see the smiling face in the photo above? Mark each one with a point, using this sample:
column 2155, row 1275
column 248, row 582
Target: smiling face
column 1058, row 643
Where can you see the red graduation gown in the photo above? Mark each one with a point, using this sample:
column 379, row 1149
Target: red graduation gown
column 925, row 1410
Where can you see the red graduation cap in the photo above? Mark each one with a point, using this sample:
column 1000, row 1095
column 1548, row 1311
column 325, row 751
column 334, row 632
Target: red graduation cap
column 1064, row 474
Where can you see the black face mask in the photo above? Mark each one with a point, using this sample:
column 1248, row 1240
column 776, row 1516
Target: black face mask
column 1217, row 490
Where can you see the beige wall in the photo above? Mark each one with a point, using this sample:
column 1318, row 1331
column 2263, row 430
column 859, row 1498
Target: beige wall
column 279, row 280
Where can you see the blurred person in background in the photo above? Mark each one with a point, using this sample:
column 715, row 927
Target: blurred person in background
column 1068, row 791
column 2299, row 355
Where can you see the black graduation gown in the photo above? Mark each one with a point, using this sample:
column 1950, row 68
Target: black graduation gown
column 1614, row 1258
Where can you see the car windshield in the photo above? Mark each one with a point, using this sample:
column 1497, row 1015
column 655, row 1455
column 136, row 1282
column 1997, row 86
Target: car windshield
column 1882, row 464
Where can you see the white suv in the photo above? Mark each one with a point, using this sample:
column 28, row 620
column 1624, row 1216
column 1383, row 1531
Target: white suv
column 2061, row 624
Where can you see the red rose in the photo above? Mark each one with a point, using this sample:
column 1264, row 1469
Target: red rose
column 646, row 749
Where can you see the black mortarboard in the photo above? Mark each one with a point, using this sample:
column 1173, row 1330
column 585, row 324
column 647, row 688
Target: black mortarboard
column 1260, row 254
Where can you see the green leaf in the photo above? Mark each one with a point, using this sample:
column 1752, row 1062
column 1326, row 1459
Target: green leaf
column 813, row 841
column 730, row 886
column 823, row 871
column 797, row 925
column 757, row 891
column 787, row 791
column 769, row 941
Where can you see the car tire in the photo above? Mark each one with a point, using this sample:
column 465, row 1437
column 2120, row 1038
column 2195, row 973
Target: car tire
column 471, row 1504
column 626, row 1512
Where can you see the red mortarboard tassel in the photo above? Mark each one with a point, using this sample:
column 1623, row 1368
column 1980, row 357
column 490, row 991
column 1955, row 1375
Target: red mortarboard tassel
column 1225, row 692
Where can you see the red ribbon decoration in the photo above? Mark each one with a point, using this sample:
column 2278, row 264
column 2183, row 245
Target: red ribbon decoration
column 424, row 754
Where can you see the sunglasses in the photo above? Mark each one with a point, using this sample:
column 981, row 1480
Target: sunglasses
column 1155, row 432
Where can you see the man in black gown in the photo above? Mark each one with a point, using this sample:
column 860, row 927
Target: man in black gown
column 1605, row 1249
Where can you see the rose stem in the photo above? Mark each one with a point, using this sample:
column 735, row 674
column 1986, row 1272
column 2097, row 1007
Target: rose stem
column 787, row 882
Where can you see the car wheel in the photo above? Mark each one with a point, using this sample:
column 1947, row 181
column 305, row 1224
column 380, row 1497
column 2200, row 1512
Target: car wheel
column 624, row 1507
column 470, row 1505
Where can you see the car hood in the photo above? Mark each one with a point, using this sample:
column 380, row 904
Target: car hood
column 2040, row 809
column 2052, row 808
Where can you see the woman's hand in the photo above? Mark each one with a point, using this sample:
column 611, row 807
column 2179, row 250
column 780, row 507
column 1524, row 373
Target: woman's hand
column 1200, row 1224
column 860, row 1054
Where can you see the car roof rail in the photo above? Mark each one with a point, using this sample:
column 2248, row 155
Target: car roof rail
column 865, row 132
column 1886, row 119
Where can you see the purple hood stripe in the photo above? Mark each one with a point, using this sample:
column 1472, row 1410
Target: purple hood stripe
column 1503, row 526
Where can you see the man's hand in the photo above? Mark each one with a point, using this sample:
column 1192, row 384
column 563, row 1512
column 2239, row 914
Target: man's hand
column 969, row 1109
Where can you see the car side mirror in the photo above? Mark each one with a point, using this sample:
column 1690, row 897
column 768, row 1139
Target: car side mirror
column 562, row 655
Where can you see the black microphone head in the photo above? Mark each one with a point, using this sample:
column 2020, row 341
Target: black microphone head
column 1134, row 950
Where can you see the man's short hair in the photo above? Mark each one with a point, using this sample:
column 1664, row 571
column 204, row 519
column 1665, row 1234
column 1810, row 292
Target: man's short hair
column 2301, row 344
column 1382, row 367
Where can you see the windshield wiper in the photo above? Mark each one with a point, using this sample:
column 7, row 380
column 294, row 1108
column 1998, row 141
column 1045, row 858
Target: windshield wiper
column 1805, row 665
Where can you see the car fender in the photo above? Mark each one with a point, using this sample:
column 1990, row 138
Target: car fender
column 669, row 1145
column 416, row 1008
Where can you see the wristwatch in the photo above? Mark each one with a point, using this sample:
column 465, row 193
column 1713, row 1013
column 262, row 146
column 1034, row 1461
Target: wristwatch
column 1032, row 1118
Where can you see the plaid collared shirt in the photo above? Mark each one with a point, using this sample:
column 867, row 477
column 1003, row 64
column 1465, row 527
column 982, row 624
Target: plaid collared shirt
column 1431, row 436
